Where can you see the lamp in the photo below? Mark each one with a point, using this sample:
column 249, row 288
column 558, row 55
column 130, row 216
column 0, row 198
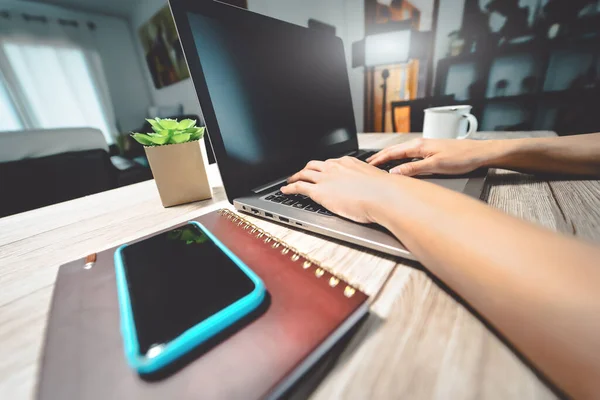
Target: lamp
column 385, row 49
column 395, row 42
column 393, row 46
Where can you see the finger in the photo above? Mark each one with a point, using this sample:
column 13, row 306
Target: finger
column 380, row 157
column 306, row 175
column 299, row 187
column 405, row 150
column 379, row 153
column 315, row 165
column 425, row 166
column 347, row 160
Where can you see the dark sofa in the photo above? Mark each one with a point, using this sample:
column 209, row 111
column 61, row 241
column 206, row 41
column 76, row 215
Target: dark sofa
column 43, row 167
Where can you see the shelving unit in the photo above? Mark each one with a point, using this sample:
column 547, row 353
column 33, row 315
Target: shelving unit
column 537, row 108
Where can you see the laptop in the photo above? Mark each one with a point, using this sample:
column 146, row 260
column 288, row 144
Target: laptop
column 274, row 96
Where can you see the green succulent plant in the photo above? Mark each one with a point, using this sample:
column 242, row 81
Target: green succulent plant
column 170, row 131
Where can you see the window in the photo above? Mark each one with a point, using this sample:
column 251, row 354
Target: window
column 9, row 120
column 56, row 85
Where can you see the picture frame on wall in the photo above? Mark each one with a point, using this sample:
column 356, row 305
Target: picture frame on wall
column 162, row 49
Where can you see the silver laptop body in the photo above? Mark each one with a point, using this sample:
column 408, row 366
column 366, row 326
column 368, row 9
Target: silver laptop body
column 372, row 237
column 274, row 96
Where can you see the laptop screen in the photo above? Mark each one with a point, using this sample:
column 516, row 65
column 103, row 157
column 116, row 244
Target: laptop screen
column 278, row 94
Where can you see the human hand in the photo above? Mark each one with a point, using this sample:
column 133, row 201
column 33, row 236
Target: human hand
column 439, row 156
column 345, row 186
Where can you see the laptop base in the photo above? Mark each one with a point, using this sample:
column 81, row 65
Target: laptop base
column 371, row 236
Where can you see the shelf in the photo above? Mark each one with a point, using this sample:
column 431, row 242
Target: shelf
column 570, row 98
column 478, row 73
column 534, row 47
column 568, row 94
column 512, row 98
column 561, row 95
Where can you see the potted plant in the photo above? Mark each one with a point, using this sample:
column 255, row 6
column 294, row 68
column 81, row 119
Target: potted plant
column 176, row 159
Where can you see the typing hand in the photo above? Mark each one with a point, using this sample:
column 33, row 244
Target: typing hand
column 345, row 186
column 439, row 156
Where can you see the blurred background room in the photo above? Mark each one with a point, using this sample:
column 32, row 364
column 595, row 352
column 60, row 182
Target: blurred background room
column 78, row 76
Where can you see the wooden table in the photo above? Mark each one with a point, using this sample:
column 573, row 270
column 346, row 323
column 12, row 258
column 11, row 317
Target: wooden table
column 417, row 343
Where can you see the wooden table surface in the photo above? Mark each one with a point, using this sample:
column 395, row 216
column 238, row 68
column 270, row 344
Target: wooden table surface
column 418, row 342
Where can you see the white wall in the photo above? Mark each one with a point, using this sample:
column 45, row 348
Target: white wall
column 182, row 92
column 426, row 9
column 346, row 15
column 128, row 90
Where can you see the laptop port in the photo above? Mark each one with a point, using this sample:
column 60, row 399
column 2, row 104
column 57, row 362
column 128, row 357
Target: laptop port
column 298, row 223
column 283, row 219
column 254, row 211
column 268, row 215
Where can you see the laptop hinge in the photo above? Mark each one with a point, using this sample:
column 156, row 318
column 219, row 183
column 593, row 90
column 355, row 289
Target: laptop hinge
column 280, row 181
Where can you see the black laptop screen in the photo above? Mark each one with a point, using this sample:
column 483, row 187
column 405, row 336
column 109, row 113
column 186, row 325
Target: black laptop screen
column 279, row 92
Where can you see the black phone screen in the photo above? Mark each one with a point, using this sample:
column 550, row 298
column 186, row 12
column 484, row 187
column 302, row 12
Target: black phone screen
column 176, row 280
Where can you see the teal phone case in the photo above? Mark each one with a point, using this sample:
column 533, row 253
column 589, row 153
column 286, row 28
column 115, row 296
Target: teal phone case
column 195, row 335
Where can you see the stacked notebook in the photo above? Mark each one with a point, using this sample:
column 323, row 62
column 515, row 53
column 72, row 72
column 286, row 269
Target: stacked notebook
column 310, row 310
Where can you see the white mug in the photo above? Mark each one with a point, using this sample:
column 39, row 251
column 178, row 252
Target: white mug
column 449, row 122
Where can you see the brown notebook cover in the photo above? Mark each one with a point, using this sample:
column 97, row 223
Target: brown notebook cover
column 309, row 311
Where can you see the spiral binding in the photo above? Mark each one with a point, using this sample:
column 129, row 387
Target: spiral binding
column 308, row 262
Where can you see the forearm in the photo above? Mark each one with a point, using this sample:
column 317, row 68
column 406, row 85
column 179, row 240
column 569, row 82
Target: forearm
column 538, row 288
column 577, row 155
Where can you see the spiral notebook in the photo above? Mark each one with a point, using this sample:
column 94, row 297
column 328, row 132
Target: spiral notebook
column 310, row 310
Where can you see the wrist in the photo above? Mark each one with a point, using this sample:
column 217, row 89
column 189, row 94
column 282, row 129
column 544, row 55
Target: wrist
column 380, row 208
column 498, row 153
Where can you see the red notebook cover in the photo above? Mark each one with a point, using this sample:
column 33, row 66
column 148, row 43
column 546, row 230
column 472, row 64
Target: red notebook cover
column 309, row 311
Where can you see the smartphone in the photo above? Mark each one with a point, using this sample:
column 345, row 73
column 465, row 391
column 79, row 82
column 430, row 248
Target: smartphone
column 177, row 290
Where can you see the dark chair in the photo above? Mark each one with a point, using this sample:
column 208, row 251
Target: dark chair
column 43, row 167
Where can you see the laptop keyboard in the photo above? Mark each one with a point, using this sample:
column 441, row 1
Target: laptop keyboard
column 298, row 201
column 385, row 166
column 302, row 202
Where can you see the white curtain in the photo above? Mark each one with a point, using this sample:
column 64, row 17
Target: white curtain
column 52, row 77
column 9, row 118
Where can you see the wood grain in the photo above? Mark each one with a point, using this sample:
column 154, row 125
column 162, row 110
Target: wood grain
column 419, row 342
column 525, row 197
column 578, row 205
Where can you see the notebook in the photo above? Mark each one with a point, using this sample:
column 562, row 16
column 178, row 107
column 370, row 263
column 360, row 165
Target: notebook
column 310, row 310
